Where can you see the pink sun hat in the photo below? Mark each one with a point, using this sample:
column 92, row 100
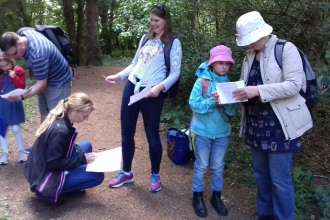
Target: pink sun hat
column 221, row 53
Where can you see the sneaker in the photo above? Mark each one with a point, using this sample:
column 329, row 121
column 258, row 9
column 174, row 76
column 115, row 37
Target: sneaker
column 121, row 179
column 21, row 156
column 4, row 158
column 155, row 184
column 28, row 150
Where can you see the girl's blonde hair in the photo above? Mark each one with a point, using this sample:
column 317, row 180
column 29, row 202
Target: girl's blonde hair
column 79, row 102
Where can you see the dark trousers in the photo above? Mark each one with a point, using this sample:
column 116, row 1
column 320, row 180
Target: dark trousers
column 78, row 179
column 151, row 109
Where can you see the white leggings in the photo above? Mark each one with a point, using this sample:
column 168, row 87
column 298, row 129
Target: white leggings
column 18, row 136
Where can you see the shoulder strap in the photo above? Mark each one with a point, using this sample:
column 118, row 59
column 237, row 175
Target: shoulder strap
column 19, row 31
column 145, row 39
column 167, row 51
column 279, row 46
column 205, row 85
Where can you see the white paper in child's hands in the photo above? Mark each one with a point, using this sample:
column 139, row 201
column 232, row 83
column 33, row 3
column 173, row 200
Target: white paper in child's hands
column 225, row 91
column 16, row 92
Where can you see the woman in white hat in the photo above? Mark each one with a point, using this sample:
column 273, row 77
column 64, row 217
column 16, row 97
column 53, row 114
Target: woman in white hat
column 275, row 116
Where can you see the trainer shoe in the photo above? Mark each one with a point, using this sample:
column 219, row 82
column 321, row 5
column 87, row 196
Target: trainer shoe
column 121, row 179
column 28, row 150
column 21, row 156
column 155, row 184
column 4, row 158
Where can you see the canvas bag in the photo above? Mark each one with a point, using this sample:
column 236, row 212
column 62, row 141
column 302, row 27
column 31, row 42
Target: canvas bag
column 177, row 146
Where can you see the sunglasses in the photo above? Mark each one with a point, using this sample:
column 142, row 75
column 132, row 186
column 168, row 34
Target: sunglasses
column 160, row 8
column 13, row 54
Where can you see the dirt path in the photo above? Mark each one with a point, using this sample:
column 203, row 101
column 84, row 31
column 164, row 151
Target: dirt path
column 132, row 201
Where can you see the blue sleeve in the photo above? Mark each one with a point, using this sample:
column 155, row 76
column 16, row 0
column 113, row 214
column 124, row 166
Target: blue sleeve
column 231, row 109
column 198, row 103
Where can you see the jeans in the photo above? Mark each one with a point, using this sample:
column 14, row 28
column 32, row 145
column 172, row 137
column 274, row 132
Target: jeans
column 209, row 151
column 78, row 179
column 151, row 109
column 275, row 186
column 51, row 95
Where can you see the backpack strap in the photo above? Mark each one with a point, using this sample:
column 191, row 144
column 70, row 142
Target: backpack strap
column 167, row 51
column 145, row 39
column 205, row 86
column 19, row 31
column 279, row 46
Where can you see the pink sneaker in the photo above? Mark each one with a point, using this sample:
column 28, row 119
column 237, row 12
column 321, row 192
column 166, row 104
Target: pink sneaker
column 155, row 184
column 121, row 179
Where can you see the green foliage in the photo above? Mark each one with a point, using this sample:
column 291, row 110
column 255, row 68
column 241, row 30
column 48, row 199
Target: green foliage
column 175, row 116
column 310, row 199
column 304, row 189
column 322, row 197
column 239, row 164
column 31, row 112
column 116, row 61
column 4, row 211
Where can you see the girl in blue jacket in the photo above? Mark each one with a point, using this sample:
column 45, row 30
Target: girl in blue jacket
column 210, row 124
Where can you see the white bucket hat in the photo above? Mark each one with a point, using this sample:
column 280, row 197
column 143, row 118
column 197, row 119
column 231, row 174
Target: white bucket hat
column 250, row 28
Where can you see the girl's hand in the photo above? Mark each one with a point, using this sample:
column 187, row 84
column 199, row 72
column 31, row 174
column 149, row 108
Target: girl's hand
column 90, row 157
column 111, row 79
column 155, row 91
column 12, row 73
column 216, row 97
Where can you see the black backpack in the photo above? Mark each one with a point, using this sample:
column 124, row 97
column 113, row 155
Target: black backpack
column 311, row 82
column 58, row 37
column 173, row 91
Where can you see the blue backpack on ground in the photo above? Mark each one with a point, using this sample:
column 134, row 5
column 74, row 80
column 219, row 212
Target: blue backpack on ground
column 311, row 82
column 173, row 91
column 177, row 146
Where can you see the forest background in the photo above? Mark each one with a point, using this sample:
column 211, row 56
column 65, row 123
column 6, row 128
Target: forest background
column 107, row 32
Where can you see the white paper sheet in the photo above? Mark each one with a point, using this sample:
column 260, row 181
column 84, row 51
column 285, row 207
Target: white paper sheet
column 16, row 92
column 225, row 91
column 140, row 95
column 106, row 161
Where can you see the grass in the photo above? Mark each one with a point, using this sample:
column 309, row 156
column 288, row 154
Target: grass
column 4, row 212
column 30, row 107
column 119, row 58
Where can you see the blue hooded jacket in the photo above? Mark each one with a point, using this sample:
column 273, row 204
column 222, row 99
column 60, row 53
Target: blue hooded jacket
column 208, row 119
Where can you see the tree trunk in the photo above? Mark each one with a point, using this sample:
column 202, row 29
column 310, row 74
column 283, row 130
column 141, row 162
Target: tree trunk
column 80, row 32
column 93, row 53
column 103, row 13
column 70, row 25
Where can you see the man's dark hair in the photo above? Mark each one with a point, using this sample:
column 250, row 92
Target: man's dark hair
column 8, row 40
